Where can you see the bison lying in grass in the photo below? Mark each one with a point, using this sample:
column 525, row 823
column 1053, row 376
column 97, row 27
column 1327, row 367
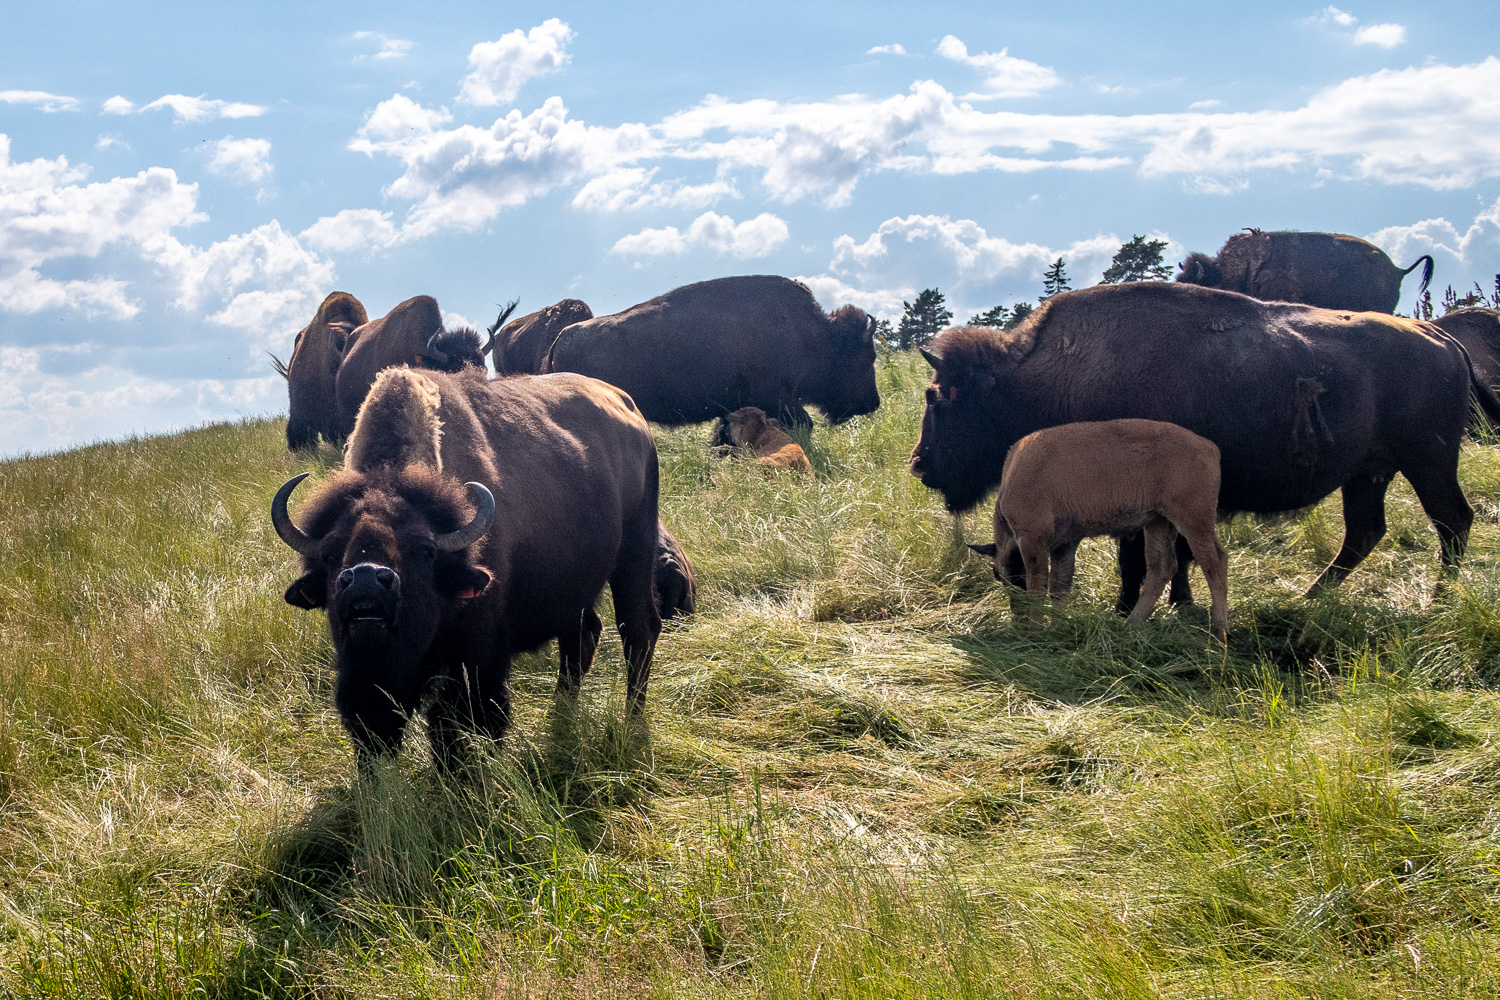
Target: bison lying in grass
column 751, row 429
column 1064, row 484
column 473, row 521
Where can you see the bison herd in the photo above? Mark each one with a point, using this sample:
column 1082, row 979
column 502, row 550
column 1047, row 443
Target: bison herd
column 479, row 517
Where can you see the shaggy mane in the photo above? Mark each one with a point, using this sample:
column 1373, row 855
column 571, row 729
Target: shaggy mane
column 397, row 424
column 441, row 498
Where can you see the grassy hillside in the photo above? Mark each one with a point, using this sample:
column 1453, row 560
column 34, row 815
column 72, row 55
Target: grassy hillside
column 857, row 777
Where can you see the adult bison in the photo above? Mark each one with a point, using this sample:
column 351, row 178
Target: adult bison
column 475, row 520
column 1479, row 331
column 521, row 347
column 1318, row 269
column 410, row 334
column 310, row 373
column 704, row 350
column 1300, row 401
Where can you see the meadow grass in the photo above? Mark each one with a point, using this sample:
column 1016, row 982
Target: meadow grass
column 858, row 775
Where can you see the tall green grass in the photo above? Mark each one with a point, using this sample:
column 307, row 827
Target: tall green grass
column 858, row 775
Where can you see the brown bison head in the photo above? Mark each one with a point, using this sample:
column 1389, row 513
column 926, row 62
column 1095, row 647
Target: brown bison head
column 387, row 553
column 451, row 350
column 966, row 424
column 1200, row 269
column 849, row 388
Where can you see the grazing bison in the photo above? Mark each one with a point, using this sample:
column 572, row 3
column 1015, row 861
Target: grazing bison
column 750, row 428
column 475, row 520
column 1479, row 331
column 1300, row 402
column 708, row 349
column 521, row 347
column 1114, row 477
column 1330, row 270
column 410, row 334
column 310, row 374
column 676, row 588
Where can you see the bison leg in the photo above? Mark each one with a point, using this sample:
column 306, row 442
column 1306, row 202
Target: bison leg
column 478, row 702
column 1182, row 590
column 1064, row 564
column 1132, row 555
column 1204, row 543
column 635, row 603
column 1445, row 504
column 575, row 651
column 1364, row 526
column 791, row 415
column 1160, row 543
column 1036, row 554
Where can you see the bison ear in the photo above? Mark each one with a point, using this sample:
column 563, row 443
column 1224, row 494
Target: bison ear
column 309, row 592
column 932, row 359
column 461, row 581
column 988, row 551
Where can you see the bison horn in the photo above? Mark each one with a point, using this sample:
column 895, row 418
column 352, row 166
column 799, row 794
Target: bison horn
column 932, row 359
column 505, row 312
column 282, row 521
column 430, row 352
column 484, row 503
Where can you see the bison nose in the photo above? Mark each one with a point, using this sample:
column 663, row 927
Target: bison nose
column 370, row 577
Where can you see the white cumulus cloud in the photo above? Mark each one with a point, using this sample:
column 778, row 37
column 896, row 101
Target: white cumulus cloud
column 631, row 188
column 500, row 68
column 755, row 237
column 193, row 109
column 1005, row 74
column 43, row 100
column 118, row 105
column 390, row 48
column 264, row 282
column 1337, row 16
column 1387, row 36
column 894, row 49
column 352, row 229
column 244, row 160
column 47, row 214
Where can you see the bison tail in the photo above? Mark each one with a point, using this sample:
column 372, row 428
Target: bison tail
column 280, row 366
column 1426, row 272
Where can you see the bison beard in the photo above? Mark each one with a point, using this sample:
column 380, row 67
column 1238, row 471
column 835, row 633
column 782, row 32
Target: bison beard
column 1300, row 401
column 428, row 600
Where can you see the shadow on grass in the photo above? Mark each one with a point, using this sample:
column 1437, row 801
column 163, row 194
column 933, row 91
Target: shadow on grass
column 1081, row 656
column 405, row 850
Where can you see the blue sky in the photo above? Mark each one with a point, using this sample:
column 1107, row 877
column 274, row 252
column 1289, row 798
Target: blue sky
column 180, row 186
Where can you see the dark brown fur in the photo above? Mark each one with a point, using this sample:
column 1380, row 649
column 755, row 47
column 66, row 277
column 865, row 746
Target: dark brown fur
column 310, row 373
column 1239, row 372
column 521, row 346
column 676, row 587
column 1479, row 331
column 707, row 349
column 1329, row 270
column 573, row 471
column 397, row 338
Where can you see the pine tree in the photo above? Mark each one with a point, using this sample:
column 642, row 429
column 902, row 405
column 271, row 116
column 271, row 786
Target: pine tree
column 1018, row 313
column 1054, row 280
column 922, row 319
column 1424, row 306
column 885, row 334
column 990, row 317
column 1139, row 260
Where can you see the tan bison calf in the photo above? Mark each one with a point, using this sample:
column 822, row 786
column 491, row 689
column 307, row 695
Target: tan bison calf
column 1071, row 482
column 749, row 427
